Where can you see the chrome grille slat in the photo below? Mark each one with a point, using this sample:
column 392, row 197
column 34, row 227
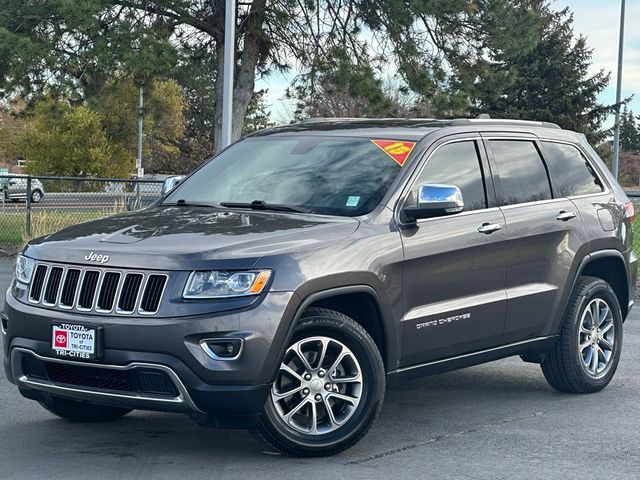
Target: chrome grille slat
column 100, row 290
column 107, row 292
column 130, row 292
column 52, row 286
column 70, row 284
column 86, row 298
column 152, row 294
column 37, row 286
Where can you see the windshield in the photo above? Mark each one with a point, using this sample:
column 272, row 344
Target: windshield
column 326, row 175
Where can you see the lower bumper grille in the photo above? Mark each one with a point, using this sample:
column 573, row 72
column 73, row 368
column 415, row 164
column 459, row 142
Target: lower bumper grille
column 136, row 380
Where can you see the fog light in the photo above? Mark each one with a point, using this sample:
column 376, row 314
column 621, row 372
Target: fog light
column 222, row 348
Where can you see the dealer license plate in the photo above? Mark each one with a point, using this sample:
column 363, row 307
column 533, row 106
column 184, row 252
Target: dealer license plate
column 73, row 341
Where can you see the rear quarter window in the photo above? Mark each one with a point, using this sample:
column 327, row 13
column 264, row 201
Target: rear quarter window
column 571, row 173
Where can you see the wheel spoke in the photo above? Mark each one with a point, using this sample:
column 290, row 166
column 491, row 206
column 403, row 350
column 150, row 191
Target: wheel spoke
column 290, row 371
column 295, row 410
column 288, row 393
column 332, row 418
column 606, row 343
column 302, row 358
column 314, row 417
column 585, row 345
column 604, row 313
column 606, row 328
column 351, row 379
column 353, row 401
column 593, row 365
column 325, row 345
column 337, row 361
column 595, row 313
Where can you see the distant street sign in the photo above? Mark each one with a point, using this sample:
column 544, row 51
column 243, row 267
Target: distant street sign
column 138, row 163
column 140, row 172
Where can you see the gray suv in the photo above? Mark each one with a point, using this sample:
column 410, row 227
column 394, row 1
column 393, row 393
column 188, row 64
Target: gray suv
column 14, row 187
column 285, row 283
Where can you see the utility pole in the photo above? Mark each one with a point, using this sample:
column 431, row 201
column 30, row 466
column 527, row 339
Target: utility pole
column 616, row 133
column 229, row 67
column 140, row 123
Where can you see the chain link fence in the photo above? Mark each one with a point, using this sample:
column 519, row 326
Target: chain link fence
column 34, row 206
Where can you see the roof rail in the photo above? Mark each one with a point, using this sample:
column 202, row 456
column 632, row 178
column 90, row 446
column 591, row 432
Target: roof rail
column 366, row 119
column 495, row 121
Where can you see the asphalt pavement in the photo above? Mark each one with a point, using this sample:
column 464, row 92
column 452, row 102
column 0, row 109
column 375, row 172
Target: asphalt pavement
column 496, row 421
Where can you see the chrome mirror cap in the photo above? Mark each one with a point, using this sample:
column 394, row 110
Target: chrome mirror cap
column 436, row 200
column 170, row 183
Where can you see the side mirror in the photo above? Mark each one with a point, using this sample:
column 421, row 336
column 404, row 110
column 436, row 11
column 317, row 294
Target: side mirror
column 169, row 184
column 436, row 200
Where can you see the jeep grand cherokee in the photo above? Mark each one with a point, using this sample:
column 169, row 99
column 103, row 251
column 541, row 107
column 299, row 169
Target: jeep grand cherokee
column 282, row 285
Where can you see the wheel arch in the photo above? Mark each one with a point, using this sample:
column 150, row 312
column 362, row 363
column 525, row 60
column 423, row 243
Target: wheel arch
column 610, row 266
column 344, row 300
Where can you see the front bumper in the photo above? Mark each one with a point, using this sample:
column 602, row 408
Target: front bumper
column 225, row 393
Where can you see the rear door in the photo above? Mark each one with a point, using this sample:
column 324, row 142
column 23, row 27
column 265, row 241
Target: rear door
column 544, row 232
column 454, row 272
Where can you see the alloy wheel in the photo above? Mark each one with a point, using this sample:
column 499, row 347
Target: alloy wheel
column 596, row 337
column 318, row 387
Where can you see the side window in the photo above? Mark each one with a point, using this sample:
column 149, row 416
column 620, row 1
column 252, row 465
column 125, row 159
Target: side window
column 571, row 173
column 523, row 176
column 456, row 164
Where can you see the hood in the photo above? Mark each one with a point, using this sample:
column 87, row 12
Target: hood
column 182, row 238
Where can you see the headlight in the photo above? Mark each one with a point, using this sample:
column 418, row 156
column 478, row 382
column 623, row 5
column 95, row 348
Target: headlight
column 224, row 284
column 24, row 268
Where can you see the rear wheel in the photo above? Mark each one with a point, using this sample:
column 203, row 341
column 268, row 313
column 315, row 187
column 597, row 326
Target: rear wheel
column 328, row 390
column 587, row 353
column 36, row 196
column 83, row 412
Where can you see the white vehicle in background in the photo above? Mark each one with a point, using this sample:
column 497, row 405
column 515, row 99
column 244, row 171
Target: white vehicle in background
column 14, row 187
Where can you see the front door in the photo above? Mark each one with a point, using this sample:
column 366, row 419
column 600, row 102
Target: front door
column 454, row 272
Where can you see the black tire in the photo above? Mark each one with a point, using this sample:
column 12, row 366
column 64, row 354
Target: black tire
column 334, row 325
column 83, row 412
column 36, row 196
column 563, row 367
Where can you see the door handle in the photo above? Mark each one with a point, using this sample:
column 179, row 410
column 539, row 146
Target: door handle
column 564, row 216
column 488, row 228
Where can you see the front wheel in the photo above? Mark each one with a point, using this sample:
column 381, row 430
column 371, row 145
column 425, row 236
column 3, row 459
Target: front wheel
column 83, row 412
column 587, row 353
column 328, row 390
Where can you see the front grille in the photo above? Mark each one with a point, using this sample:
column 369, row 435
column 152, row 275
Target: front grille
column 108, row 291
column 69, row 288
column 135, row 380
column 101, row 291
column 38, row 283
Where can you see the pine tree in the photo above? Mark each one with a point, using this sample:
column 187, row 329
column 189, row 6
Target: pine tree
column 629, row 132
column 550, row 83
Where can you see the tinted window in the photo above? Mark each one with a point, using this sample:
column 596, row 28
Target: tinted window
column 523, row 177
column 340, row 176
column 571, row 174
column 456, row 164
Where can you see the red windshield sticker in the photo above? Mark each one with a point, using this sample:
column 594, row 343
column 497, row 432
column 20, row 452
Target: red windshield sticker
column 397, row 150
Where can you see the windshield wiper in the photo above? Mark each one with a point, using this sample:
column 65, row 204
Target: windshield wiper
column 183, row 203
column 262, row 205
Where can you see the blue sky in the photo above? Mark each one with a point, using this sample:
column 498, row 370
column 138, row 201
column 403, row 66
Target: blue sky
column 598, row 20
